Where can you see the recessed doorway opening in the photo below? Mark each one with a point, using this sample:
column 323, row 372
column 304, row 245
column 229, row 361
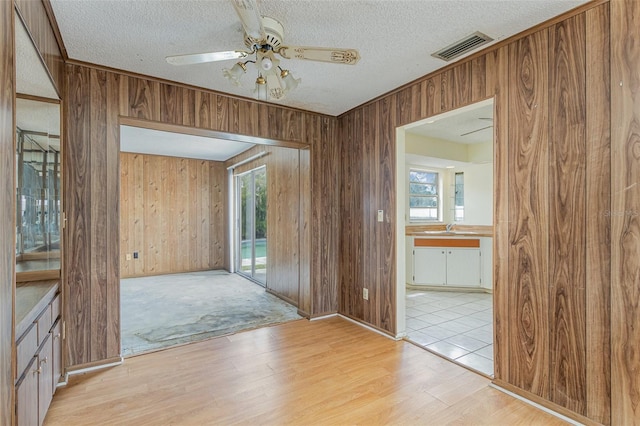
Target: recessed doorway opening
column 445, row 195
column 193, row 236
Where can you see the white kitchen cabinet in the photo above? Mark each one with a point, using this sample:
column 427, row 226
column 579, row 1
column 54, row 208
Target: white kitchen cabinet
column 463, row 267
column 440, row 262
column 430, row 266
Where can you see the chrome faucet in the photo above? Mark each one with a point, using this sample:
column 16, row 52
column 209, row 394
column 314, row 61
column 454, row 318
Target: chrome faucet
column 449, row 226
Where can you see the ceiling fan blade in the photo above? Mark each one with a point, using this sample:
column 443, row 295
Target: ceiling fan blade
column 321, row 54
column 199, row 58
column 250, row 18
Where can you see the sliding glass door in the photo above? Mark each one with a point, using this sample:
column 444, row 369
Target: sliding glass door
column 252, row 224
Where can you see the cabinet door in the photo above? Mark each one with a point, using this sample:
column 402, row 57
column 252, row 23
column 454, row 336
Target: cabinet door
column 57, row 355
column 463, row 267
column 45, row 386
column 27, row 396
column 429, row 266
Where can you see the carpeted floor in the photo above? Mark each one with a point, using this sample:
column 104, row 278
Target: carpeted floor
column 167, row 310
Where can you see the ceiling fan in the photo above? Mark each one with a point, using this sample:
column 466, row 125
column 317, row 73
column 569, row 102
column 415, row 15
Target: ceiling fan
column 263, row 36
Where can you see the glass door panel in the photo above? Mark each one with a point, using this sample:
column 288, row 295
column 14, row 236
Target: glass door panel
column 252, row 224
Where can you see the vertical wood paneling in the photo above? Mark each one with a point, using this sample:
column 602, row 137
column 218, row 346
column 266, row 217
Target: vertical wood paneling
column 625, row 212
column 304, row 276
column 205, row 110
column 350, row 194
column 528, row 215
column 7, row 209
column 144, row 99
column 567, row 214
column 98, row 192
column 113, row 224
column 497, row 69
column 171, row 103
column 461, row 87
column 220, row 114
column 218, row 226
column 598, row 225
column 283, row 215
column 479, row 78
column 446, row 90
column 365, row 272
column 189, row 107
column 386, row 262
column 433, row 96
column 182, row 197
column 249, row 123
column 325, row 226
column 77, row 203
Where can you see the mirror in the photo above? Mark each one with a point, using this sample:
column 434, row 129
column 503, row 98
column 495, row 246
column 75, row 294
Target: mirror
column 38, row 162
column 37, row 186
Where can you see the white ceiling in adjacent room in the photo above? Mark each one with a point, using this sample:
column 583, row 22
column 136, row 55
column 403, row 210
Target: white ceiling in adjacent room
column 147, row 141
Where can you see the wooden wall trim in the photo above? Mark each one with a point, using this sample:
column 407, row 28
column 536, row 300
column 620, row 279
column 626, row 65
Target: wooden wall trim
column 7, row 211
column 178, row 84
column 625, row 212
column 598, row 224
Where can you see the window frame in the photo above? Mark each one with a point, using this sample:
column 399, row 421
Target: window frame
column 437, row 195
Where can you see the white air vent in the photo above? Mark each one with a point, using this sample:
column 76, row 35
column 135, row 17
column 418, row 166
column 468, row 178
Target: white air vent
column 463, row 46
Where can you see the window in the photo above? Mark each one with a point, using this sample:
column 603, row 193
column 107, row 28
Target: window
column 424, row 197
column 458, row 212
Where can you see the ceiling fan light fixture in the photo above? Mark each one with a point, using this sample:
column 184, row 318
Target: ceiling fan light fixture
column 234, row 74
column 261, row 91
column 290, row 83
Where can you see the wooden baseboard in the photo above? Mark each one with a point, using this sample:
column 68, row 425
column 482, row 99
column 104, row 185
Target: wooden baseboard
column 373, row 328
column 93, row 366
column 554, row 408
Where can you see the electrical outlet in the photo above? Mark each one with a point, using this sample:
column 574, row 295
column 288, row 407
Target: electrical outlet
column 365, row 293
column 128, row 256
column 135, row 254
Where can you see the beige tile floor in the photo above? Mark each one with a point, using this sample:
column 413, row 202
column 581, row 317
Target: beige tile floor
column 456, row 325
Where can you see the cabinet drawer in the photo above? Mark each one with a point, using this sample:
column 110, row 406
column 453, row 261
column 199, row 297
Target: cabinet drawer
column 44, row 324
column 26, row 348
column 55, row 308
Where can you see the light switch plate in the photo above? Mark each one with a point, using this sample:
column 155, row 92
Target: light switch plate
column 380, row 215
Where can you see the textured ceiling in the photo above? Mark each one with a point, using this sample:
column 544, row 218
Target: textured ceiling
column 395, row 39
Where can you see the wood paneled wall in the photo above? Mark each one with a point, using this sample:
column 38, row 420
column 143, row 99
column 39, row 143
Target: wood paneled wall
column 286, row 215
column 7, row 209
column 552, row 177
column 34, row 15
column 172, row 212
column 94, row 101
column 625, row 212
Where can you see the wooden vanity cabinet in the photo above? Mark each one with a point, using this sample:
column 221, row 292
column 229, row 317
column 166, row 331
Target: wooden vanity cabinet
column 39, row 349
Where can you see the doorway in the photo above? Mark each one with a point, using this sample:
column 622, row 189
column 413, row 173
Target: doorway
column 251, row 198
column 445, row 193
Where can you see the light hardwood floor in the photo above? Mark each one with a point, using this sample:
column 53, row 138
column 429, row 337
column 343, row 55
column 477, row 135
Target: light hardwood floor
column 329, row 371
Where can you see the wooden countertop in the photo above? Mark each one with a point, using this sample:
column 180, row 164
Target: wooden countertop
column 439, row 231
column 31, row 298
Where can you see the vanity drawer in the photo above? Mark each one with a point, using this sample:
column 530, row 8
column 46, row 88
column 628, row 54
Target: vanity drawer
column 44, row 324
column 26, row 348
